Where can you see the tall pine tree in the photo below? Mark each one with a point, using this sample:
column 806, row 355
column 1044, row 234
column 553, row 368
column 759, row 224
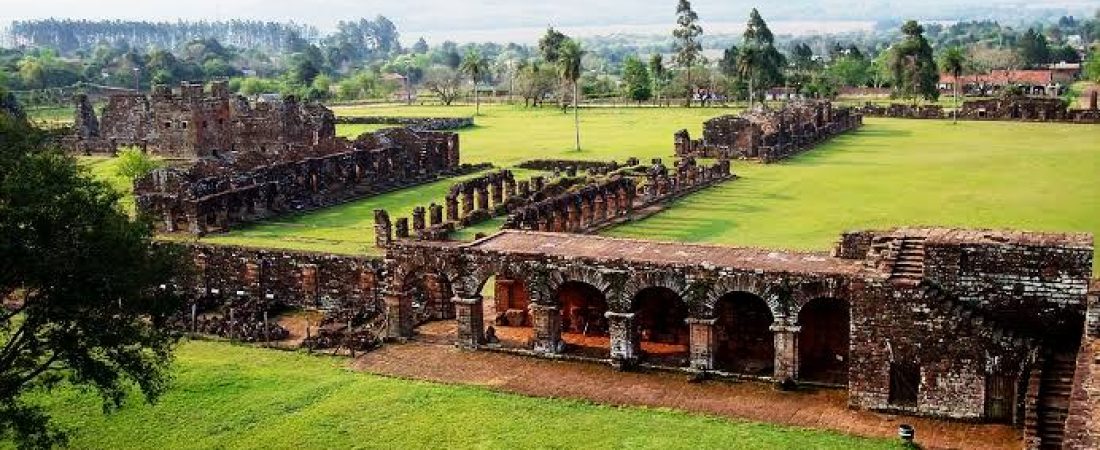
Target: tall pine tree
column 759, row 62
column 912, row 68
column 687, row 47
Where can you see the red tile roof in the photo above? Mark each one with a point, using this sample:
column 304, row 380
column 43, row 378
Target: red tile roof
column 1005, row 77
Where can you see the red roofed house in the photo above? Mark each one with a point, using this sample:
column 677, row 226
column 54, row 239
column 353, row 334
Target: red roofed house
column 1044, row 82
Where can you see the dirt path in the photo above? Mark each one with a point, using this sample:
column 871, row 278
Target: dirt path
column 598, row 383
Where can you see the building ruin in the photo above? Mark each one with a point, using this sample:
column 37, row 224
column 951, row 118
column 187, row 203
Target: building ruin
column 191, row 123
column 769, row 135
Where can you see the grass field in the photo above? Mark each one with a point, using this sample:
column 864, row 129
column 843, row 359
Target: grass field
column 235, row 397
column 892, row 172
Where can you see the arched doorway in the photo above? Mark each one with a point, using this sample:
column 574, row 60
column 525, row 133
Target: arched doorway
column 745, row 340
column 823, row 341
column 660, row 316
column 431, row 300
column 583, row 324
column 505, row 302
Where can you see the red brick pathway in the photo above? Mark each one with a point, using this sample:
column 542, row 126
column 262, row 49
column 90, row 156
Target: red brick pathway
column 599, row 383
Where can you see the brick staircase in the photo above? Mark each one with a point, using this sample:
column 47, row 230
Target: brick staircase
column 902, row 257
column 1054, row 395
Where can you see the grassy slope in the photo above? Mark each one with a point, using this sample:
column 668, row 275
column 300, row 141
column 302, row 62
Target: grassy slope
column 105, row 168
column 227, row 396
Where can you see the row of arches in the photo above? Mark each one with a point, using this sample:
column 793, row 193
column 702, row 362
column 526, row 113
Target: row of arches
column 743, row 340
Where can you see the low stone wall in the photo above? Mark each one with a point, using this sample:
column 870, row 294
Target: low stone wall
column 415, row 123
column 566, row 165
column 1015, row 108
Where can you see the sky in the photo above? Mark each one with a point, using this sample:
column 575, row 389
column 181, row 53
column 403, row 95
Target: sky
column 511, row 19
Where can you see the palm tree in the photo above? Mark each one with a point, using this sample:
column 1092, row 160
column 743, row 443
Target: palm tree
column 569, row 65
column 475, row 65
column 952, row 61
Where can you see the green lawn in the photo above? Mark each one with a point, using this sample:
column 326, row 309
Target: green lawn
column 900, row 172
column 106, row 168
column 227, row 396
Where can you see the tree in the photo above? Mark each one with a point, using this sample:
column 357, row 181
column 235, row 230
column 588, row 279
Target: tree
column 81, row 287
column 475, row 65
column 760, row 62
column 636, row 80
column 550, row 45
column 659, row 73
column 421, row 46
column 1034, row 49
column 953, row 61
column 913, row 70
column 1092, row 67
column 134, row 163
column 444, row 82
column 686, row 41
column 569, row 67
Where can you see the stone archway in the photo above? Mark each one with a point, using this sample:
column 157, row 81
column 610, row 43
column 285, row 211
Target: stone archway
column 744, row 342
column 823, row 341
column 660, row 321
column 584, row 326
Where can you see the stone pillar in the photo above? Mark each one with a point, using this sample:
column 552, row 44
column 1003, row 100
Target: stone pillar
column 586, row 213
column 537, row 183
column 452, row 208
column 703, row 342
column 471, row 322
column 467, row 202
column 435, row 214
column 786, row 350
column 625, row 344
column 509, row 188
column 483, row 200
column 546, row 324
column 418, row 219
column 398, row 315
column 496, row 192
column 572, row 219
column 383, row 228
column 524, row 188
column 402, row 228
column 599, row 212
column 196, row 224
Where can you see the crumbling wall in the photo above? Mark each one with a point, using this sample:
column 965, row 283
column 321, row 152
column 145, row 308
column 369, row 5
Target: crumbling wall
column 415, row 123
column 215, row 195
column 769, row 136
column 192, row 123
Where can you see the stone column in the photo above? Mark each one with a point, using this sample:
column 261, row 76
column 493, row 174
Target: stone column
column 398, row 315
column 467, row 202
column 703, row 343
column 496, row 192
column 586, row 213
column 509, row 188
column 537, row 183
column 435, row 214
column 625, row 344
column 418, row 219
column 170, row 221
column 471, row 322
column 546, row 324
column 402, row 230
column 524, row 188
column 483, row 200
column 599, row 213
column 786, row 349
column 452, row 208
column 572, row 218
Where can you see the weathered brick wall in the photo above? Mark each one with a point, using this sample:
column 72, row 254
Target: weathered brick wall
column 416, row 123
column 294, row 279
column 1035, row 281
column 907, row 325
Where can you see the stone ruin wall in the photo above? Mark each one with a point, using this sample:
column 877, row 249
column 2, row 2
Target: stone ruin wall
column 605, row 202
column 191, row 123
column 415, row 123
column 216, row 195
column 1009, row 108
column 984, row 300
column 769, row 136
